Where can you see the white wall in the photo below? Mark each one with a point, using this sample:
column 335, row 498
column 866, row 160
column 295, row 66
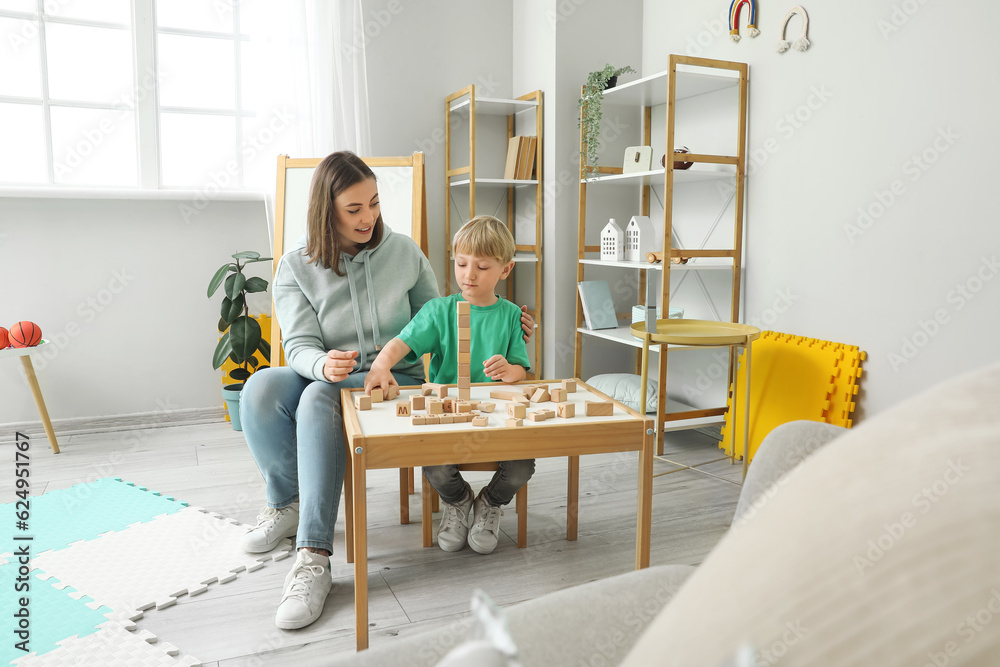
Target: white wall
column 119, row 287
column 834, row 130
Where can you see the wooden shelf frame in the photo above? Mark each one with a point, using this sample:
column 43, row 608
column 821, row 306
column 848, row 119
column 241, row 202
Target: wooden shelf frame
column 684, row 77
column 464, row 103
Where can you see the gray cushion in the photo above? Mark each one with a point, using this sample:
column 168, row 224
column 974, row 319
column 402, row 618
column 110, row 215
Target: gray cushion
column 624, row 388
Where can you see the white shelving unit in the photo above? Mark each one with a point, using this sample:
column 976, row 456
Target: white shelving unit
column 462, row 184
column 685, row 79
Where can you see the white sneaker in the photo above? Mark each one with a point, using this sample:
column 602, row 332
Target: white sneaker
column 485, row 532
column 306, row 588
column 455, row 522
column 273, row 525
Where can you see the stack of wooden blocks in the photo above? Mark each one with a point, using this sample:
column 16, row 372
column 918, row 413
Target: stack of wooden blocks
column 464, row 312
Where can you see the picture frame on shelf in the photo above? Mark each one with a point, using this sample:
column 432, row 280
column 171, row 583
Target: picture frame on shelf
column 637, row 158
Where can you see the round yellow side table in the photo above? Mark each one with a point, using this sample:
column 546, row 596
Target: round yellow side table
column 702, row 333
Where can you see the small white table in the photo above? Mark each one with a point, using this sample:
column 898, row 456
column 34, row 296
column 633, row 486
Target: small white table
column 24, row 353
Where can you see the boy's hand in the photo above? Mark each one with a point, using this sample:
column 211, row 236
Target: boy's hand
column 378, row 379
column 527, row 324
column 498, row 369
column 339, row 364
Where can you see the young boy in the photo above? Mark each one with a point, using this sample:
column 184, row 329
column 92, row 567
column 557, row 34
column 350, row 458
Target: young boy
column 484, row 255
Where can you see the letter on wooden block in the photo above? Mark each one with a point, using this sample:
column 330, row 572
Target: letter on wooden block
column 566, row 410
column 403, row 410
column 362, row 402
column 516, row 410
column 376, row 395
column 480, row 421
column 600, row 408
column 417, row 402
column 448, row 404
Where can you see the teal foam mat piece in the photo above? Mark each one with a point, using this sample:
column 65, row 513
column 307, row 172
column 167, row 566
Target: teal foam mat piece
column 84, row 511
column 53, row 615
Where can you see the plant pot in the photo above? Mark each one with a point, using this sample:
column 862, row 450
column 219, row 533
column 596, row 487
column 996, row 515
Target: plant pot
column 612, row 82
column 231, row 394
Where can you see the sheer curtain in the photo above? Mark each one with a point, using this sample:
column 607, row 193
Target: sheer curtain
column 308, row 81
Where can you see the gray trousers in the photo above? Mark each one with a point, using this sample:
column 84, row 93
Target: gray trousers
column 512, row 475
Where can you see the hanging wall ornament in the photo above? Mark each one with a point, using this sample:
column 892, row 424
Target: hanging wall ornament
column 802, row 43
column 734, row 18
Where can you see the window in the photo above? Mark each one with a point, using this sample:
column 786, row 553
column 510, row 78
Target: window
column 120, row 94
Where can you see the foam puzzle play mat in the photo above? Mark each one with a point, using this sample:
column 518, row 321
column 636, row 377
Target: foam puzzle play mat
column 95, row 557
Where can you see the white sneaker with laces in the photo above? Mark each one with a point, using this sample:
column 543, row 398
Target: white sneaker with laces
column 306, row 588
column 485, row 532
column 455, row 521
column 273, row 525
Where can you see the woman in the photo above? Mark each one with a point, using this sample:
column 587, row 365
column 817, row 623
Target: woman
column 340, row 293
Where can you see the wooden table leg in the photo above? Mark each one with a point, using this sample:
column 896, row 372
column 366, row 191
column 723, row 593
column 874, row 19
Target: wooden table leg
column 410, row 485
column 426, row 494
column 572, row 498
column 404, row 494
column 348, row 504
column 645, row 509
column 36, row 392
column 360, row 553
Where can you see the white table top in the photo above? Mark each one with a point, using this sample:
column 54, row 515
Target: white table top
column 23, row 351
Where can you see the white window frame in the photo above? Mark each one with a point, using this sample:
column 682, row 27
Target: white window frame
column 146, row 108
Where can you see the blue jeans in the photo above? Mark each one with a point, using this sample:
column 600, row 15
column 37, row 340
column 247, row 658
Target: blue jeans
column 512, row 475
column 294, row 429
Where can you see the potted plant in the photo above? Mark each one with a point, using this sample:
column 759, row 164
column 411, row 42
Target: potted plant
column 241, row 333
column 590, row 115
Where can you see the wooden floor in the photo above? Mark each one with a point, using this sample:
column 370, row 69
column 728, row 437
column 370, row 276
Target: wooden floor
column 208, row 465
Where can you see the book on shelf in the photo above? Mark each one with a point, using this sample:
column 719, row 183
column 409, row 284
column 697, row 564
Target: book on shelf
column 510, row 169
column 598, row 307
column 526, row 158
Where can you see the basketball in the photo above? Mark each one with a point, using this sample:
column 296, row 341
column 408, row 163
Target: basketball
column 4, row 339
column 25, row 334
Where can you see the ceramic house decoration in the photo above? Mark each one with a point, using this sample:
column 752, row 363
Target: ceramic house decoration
column 639, row 238
column 612, row 240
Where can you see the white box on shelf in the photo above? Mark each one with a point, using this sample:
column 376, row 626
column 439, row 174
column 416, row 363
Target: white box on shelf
column 612, row 240
column 640, row 238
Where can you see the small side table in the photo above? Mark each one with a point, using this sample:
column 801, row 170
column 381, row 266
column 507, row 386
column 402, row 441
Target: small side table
column 25, row 354
column 703, row 333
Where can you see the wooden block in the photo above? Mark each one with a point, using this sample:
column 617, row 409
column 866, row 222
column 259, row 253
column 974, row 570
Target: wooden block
column 566, row 410
column 402, row 409
column 448, row 404
column 569, row 386
column 392, row 392
column 600, row 408
column 513, row 422
column 435, row 406
column 459, row 418
column 463, row 406
column 362, row 402
column 465, row 346
column 464, row 382
column 417, row 402
column 549, row 414
column 529, row 389
column 522, row 399
column 464, row 321
column 441, row 390
column 475, row 405
column 538, row 416
column 433, row 419
column 541, row 395
column 464, row 358
column 376, row 395
column 418, row 420
column 427, row 388
column 447, row 419
column 463, row 307
column 557, row 395
column 465, row 334
column 464, row 394
column 505, row 395
column 480, row 421
column 483, row 406
column 516, row 410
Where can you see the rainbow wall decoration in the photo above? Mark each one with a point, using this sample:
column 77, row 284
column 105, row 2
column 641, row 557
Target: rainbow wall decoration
column 734, row 18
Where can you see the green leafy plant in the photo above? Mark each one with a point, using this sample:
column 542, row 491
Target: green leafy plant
column 591, row 113
column 242, row 335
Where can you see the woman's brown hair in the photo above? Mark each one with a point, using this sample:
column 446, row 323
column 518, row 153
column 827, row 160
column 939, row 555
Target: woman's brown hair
column 337, row 172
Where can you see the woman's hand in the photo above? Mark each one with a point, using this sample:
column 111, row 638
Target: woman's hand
column 527, row 324
column 339, row 365
column 497, row 368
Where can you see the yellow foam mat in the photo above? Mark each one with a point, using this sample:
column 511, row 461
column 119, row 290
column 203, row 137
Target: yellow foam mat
column 793, row 377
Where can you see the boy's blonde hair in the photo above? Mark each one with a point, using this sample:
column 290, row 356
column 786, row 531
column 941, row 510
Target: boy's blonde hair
column 485, row 236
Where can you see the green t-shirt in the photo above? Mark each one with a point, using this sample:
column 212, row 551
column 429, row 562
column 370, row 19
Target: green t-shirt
column 495, row 329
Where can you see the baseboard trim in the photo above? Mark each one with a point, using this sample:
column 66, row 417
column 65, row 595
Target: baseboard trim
column 82, row 425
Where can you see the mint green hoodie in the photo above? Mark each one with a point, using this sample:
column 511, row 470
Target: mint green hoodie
column 319, row 311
